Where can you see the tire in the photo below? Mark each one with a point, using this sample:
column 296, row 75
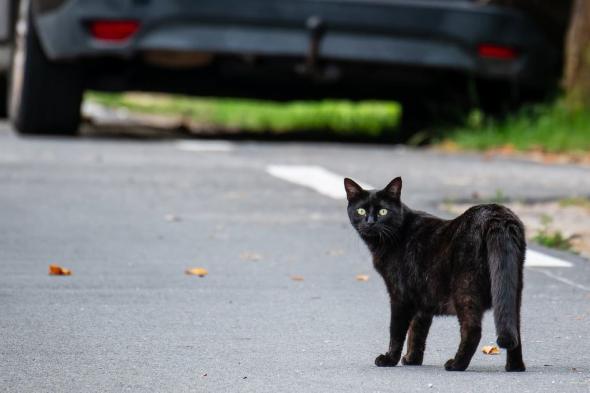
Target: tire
column 45, row 97
column 3, row 95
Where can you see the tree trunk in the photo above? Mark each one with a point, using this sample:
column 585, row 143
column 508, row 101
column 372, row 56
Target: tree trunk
column 577, row 57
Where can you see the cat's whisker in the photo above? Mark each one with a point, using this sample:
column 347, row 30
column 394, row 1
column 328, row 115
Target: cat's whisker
column 390, row 235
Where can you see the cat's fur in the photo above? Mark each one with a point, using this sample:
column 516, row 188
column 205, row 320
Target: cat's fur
column 434, row 267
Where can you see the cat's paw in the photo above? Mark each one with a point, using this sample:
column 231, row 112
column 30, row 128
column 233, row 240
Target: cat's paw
column 385, row 361
column 412, row 360
column 516, row 367
column 451, row 365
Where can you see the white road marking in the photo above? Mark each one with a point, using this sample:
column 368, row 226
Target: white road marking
column 331, row 184
column 205, row 146
column 538, row 259
column 315, row 177
column 563, row 280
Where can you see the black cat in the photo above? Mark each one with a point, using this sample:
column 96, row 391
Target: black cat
column 434, row 267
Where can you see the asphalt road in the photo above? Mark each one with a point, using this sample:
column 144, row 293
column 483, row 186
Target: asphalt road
column 128, row 216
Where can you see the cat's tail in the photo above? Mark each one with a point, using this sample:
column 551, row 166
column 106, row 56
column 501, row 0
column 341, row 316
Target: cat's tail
column 506, row 252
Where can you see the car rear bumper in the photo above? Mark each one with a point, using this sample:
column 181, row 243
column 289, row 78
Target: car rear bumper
column 442, row 35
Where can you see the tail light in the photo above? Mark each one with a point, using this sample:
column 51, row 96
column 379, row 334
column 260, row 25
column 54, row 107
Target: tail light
column 113, row 30
column 499, row 52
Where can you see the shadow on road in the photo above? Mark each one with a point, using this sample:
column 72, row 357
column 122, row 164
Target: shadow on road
column 146, row 133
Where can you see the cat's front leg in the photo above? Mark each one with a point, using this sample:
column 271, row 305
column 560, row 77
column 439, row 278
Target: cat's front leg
column 398, row 327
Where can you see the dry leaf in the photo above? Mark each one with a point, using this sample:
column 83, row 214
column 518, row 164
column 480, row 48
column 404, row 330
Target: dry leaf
column 197, row 271
column 56, row 270
column 491, row 350
column 507, row 149
column 297, row 278
column 449, row 146
column 362, row 277
column 250, row 256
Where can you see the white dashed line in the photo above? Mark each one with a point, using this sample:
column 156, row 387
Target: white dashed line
column 538, row 259
column 205, row 146
column 315, row 177
column 331, row 185
column 563, row 280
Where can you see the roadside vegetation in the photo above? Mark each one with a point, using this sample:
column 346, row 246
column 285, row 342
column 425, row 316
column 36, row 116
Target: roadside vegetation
column 365, row 118
column 552, row 239
column 576, row 201
column 551, row 128
column 546, row 129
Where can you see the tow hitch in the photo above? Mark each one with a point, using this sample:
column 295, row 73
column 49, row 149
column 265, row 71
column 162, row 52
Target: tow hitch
column 312, row 67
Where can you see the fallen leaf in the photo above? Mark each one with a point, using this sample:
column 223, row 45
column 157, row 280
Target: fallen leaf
column 56, row 270
column 449, row 146
column 197, row 271
column 491, row 350
column 297, row 278
column 362, row 277
column 507, row 149
column 250, row 256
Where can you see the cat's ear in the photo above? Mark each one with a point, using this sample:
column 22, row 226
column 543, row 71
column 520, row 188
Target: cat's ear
column 352, row 189
column 394, row 188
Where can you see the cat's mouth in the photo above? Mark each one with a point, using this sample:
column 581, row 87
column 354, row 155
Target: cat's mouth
column 380, row 232
column 367, row 230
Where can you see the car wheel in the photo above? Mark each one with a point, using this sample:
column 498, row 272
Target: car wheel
column 3, row 94
column 45, row 96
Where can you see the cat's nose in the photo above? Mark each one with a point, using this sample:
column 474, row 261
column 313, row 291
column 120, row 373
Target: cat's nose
column 370, row 220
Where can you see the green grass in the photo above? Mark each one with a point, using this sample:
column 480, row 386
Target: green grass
column 575, row 201
column 552, row 239
column 552, row 128
column 369, row 118
column 498, row 197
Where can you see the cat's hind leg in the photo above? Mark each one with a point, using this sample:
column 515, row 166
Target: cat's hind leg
column 417, row 335
column 470, row 315
column 514, row 357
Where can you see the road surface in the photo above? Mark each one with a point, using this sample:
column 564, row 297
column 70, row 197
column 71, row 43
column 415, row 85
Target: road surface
column 128, row 216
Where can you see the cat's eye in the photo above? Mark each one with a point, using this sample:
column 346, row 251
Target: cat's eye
column 382, row 212
column 361, row 212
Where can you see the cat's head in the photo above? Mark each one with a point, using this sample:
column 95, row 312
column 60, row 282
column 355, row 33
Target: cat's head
column 375, row 214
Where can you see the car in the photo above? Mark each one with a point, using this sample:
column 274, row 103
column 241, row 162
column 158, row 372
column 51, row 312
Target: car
column 272, row 49
column 6, row 24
